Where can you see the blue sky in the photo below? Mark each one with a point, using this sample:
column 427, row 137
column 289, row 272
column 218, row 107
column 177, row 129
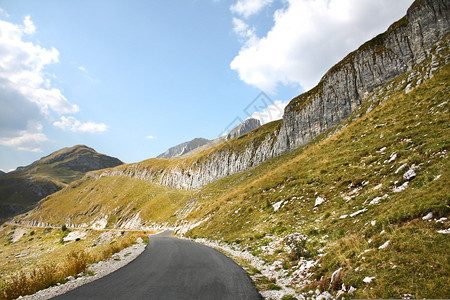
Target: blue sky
column 133, row 78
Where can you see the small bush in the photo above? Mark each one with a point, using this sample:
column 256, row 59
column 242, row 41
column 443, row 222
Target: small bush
column 64, row 227
column 22, row 283
column 297, row 243
column 77, row 262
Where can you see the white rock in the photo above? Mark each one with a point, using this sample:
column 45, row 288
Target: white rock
column 358, row 212
column 400, row 168
column 343, row 216
column 401, row 188
column 100, row 223
column 378, row 187
column 18, row 233
column 428, row 216
column 444, row 231
column 373, row 222
column 339, row 294
column 335, row 275
column 384, row 245
column 437, row 177
column 324, row 296
column 375, row 200
column 276, row 206
column 72, row 236
column 393, row 157
column 319, row 200
column 368, row 279
column 352, row 290
column 410, row 174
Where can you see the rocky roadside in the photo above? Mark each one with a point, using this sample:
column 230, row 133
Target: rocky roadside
column 100, row 269
column 272, row 271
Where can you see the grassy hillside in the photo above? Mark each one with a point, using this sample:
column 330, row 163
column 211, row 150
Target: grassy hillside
column 117, row 198
column 21, row 189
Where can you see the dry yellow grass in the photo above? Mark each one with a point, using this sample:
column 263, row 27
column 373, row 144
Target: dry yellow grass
column 40, row 259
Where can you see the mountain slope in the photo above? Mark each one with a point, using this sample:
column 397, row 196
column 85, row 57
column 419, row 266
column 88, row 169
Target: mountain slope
column 246, row 126
column 191, row 148
column 22, row 188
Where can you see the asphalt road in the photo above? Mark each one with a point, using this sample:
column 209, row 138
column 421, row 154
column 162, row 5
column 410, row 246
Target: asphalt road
column 171, row 268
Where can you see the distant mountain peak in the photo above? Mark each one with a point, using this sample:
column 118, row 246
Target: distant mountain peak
column 243, row 128
column 22, row 188
column 183, row 148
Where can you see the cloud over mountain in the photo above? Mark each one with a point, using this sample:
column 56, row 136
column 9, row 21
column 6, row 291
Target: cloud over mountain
column 307, row 38
column 27, row 96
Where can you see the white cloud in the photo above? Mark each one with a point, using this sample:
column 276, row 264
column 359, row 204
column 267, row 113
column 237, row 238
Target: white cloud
column 271, row 113
column 21, row 68
column 310, row 36
column 28, row 27
column 82, row 69
column 246, row 8
column 72, row 124
column 26, row 140
column 27, row 96
column 150, row 137
column 245, row 33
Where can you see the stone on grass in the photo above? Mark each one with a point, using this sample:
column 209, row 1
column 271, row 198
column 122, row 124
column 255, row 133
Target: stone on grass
column 368, row 279
column 428, row 216
column 410, row 174
column 384, row 245
column 319, row 200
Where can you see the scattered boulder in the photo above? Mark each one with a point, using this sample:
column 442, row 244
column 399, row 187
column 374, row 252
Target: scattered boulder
column 74, row 235
column 403, row 187
column 384, row 245
column 335, row 279
column 368, row 279
column 319, row 200
column 352, row 290
column 410, row 174
column 429, row 216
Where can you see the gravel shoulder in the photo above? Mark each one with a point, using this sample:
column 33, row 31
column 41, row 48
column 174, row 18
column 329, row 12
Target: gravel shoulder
column 100, row 269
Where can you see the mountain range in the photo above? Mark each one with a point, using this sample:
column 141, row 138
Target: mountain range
column 186, row 149
column 21, row 189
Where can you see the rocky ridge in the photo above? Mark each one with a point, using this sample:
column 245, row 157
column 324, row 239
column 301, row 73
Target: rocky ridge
column 246, row 126
column 341, row 91
column 183, row 148
column 22, row 188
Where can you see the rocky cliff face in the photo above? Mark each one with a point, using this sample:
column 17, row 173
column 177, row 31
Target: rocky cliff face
column 341, row 91
column 183, row 148
column 246, row 126
column 347, row 84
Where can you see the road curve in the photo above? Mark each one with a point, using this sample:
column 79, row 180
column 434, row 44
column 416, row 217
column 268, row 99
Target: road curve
column 171, row 268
